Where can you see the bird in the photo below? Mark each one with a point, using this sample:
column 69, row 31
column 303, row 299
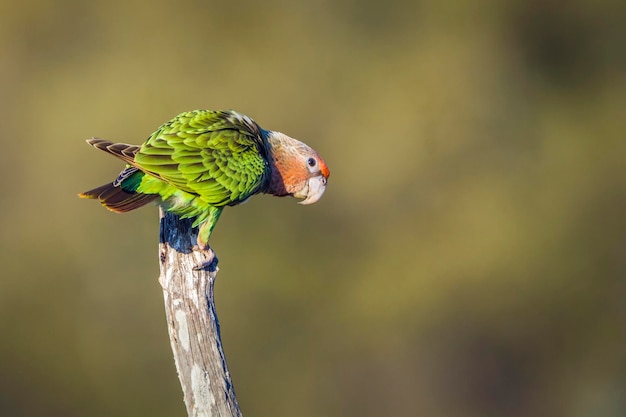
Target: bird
column 204, row 160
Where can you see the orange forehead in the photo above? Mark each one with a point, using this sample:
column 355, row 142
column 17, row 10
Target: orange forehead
column 323, row 167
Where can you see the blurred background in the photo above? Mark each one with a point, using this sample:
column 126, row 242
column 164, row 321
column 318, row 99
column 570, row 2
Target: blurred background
column 468, row 258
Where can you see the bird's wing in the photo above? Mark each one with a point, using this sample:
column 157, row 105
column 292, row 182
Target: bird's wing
column 218, row 155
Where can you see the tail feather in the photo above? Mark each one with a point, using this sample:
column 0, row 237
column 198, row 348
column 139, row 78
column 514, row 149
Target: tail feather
column 116, row 199
column 122, row 150
column 119, row 196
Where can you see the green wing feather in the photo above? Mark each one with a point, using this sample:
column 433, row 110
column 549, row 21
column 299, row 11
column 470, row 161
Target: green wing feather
column 218, row 156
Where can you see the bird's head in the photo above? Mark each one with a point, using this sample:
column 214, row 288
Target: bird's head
column 296, row 169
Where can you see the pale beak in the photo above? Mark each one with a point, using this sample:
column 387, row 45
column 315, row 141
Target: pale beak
column 315, row 189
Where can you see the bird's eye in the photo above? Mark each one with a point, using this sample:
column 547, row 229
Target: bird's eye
column 312, row 162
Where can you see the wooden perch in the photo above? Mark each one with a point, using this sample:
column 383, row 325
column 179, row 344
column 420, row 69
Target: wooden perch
column 187, row 277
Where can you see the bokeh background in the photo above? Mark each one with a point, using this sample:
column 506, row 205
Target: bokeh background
column 468, row 258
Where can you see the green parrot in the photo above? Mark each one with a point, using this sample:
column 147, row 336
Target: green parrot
column 203, row 160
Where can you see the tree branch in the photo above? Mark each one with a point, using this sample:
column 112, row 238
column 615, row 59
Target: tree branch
column 187, row 277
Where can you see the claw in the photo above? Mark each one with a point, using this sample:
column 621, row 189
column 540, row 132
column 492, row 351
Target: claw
column 209, row 266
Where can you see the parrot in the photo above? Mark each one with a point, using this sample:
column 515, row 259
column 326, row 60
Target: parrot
column 204, row 160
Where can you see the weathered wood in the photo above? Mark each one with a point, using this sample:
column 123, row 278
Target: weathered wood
column 187, row 277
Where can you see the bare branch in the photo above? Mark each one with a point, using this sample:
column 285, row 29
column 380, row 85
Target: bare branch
column 187, row 277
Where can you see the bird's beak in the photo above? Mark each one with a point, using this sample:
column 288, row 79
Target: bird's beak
column 314, row 190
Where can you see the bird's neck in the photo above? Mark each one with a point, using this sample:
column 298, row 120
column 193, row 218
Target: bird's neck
column 280, row 158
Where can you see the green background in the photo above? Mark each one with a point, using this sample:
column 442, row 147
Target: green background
column 467, row 259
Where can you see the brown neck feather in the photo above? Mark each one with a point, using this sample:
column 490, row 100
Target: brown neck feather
column 284, row 170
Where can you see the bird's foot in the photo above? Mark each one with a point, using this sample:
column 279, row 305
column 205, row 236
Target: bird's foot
column 208, row 266
column 211, row 264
